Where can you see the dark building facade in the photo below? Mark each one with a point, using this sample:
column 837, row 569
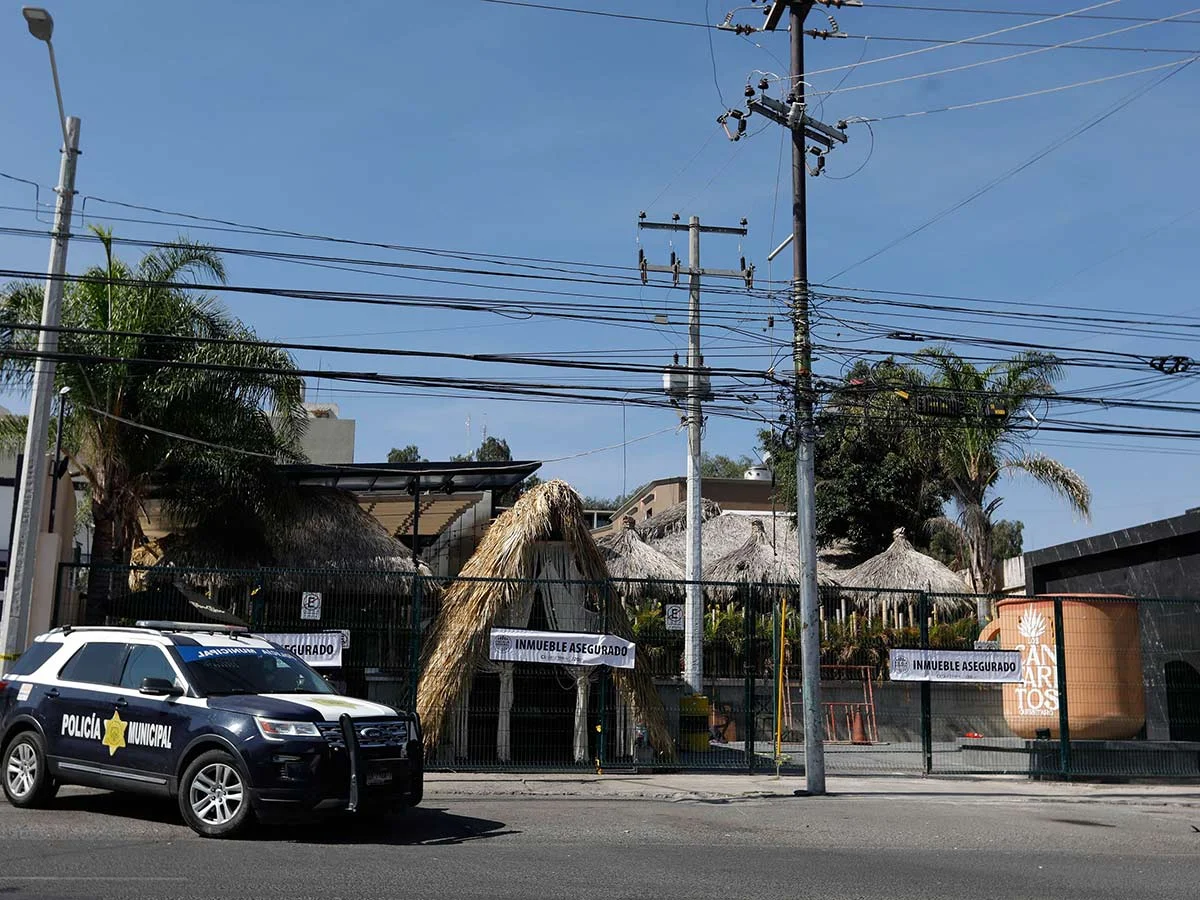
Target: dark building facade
column 1158, row 564
column 1158, row 559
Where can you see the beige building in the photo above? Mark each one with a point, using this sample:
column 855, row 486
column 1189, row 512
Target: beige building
column 329, row 439
column 732, row 494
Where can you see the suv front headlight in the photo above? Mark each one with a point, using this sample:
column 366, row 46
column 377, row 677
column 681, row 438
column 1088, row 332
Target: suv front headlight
column 279, row 730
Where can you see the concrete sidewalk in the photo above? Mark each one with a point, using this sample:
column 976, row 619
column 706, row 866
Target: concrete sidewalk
column 716, row 787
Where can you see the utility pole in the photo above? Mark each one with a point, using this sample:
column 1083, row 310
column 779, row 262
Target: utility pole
column 698, row 388
column 792, row 114
column 22, row 564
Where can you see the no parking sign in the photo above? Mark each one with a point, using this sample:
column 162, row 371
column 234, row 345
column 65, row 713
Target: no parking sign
column 310, row 605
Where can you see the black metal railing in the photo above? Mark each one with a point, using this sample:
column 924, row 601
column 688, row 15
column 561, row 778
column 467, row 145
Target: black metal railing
column 1109, row 686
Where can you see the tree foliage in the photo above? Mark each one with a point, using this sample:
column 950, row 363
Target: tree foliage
column 874, row 472
column 494, row 449
column 721, row 466
column 202, row 441
column 989, row 440
column 409, row 454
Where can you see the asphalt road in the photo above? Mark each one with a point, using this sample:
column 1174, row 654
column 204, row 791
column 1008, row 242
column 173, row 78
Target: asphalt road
column 95, row 844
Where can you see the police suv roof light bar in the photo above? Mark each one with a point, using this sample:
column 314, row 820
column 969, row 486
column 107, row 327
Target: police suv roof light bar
column 192, row 626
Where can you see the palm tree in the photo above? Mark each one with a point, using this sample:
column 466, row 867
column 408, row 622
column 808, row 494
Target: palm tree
column 202, row 441
column 983, row 441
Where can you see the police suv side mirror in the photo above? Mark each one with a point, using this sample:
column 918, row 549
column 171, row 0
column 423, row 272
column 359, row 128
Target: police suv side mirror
column 159, row 687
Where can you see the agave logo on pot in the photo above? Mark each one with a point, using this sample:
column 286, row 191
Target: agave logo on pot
column 1037, row 694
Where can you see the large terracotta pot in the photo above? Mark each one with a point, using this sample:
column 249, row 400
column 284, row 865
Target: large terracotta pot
column 1102, row 643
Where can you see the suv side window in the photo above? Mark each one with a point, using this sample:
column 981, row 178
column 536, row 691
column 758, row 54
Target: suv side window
column 31, row 660
column 97, row 662
column 145, row 661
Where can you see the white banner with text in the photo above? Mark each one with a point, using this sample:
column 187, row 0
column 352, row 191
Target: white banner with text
column 561, row 648
column 322, row 650
column 955, row 665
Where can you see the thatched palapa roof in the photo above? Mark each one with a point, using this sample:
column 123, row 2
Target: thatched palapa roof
column 329, row 531
column 673, row 520
column 841, row 553
column 495, row 581
column 757, row 562
column 901, row 567
column 637, row 567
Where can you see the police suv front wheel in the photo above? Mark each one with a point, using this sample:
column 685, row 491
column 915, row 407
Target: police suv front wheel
column 26, row 777
column 214, row 796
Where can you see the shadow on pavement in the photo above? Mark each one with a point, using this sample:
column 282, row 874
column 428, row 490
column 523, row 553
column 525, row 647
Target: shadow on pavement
column 427, row 826
column 130, row 806
column 430, row 826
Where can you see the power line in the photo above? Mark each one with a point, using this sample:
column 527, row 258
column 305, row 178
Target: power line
column 1102, row 47
column 1008, row 58
column 597, row 12
column 712, row 54
column 1014, row 12
column 975, row 104
column 1049, row 18
column 1000, row 179
column 510, row 359
column 176, row 435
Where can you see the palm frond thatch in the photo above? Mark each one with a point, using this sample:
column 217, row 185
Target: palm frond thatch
column 636, row 567
column 724, row 533
column 902, row 568
column 328, row 530
column 840, row 554
column 756, row 561
column 673, row 520
column 494, row 581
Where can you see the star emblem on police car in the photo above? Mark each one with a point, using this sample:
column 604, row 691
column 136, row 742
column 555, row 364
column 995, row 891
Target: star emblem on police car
column 114, row 733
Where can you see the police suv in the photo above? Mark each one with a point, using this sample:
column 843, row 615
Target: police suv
column 232, row 725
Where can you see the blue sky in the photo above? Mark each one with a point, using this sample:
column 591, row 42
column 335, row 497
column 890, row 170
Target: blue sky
column 482, row 127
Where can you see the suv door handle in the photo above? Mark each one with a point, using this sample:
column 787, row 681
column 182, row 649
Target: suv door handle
column 121, row 702
column 52, row 693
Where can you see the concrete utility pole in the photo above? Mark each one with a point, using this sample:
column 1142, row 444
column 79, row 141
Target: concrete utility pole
column 22, row 564
column 697, row 390
column 792, row 114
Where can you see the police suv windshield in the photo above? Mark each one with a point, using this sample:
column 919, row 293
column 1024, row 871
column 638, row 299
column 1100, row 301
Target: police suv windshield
column 249, row 670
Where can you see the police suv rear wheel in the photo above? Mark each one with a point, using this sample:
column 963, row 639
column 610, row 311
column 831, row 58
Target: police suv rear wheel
column 214, row 796
column 26, row 777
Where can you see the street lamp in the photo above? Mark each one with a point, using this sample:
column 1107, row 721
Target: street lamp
column 41, row 26
column 14, row 624
column 40, row 22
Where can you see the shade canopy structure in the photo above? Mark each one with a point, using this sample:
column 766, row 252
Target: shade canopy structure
column 415, row 501
column 539, row 561
column 757, row 561
column 883, row 579
column 639, row 569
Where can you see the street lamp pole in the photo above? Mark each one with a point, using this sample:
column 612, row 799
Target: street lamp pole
column 15, row 620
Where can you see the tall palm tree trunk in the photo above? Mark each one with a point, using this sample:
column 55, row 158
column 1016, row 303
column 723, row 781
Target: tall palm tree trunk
column 978, row 526
column 111, row 548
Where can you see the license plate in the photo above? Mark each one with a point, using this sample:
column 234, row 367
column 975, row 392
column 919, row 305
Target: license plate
column 381, row 776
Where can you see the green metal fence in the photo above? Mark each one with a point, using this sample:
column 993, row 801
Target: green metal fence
column 1109, row 686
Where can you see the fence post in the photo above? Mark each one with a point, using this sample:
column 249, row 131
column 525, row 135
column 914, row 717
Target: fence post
column 414, row 652
column 926, row 692
column 58, row 580
column 602, row 706
column 753, row 602
column 778, row 636
column 1064, row 726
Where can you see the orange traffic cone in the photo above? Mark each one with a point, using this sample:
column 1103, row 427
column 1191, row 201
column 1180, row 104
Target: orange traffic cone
column 858, row 734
